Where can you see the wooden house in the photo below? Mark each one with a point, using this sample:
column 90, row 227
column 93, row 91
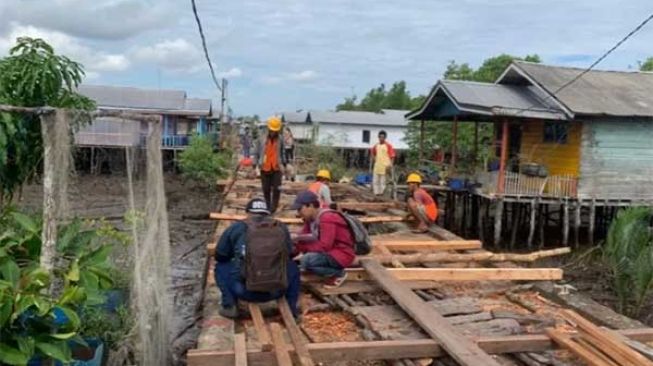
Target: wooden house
column 562, row 136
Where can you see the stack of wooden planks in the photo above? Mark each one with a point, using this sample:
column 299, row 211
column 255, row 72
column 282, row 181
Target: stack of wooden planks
column 597, row 346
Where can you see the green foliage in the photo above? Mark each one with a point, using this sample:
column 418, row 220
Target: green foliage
column 323, row 157
column 647, row 65
column 111, row 328
column 488, row 72
column 32, row 76
column 201, row 163
column 628, row 253
column 27, row 313
column 398, row 97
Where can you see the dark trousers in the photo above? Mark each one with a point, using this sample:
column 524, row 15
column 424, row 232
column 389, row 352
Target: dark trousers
column 270, row 182
column 321, row 264
column 233, row 288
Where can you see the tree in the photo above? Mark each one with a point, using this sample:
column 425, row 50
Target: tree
column 200, row 163
column 32, row 76
column 376, row 99
column 488, row 72
column 647, row 65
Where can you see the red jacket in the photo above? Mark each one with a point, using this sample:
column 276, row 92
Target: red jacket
column 335, row 239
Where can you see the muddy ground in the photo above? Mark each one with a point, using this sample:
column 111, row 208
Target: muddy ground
column 106, row 196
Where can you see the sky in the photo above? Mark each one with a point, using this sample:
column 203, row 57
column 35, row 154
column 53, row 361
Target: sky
column 286, row 55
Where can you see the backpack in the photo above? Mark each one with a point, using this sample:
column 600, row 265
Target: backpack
column 266, row 256
column 362, row 241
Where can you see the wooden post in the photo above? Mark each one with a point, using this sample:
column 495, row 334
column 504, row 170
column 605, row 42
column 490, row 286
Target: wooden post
column 49, row 234
column 504, row 156
column 565, row 223
column 480, row 213
column 577, row 223
column 454, row 145
column 531, row 228
column 592, row 222
column 516, row 218
column 498, row 216
column 421, row 141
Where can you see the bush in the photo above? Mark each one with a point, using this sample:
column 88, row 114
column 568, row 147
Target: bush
column 321, row 157
column 199, row 162
column 628, row 252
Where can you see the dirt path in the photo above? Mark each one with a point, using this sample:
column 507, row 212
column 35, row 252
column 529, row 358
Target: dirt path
column 95, row 197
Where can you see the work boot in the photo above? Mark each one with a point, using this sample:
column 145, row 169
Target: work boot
column 230, row 312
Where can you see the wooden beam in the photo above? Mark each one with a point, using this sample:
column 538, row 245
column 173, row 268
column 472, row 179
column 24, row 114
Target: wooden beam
column 607, row 342
column 295, row 333
column 240, row 350
column 389, row 258
column 280, row 347
column 261, row 328
column 331, row 352
column 409, row 245
column 464, row 351
column 504, row 157
column 565, row 340
column 295, row 220
column 456, row 274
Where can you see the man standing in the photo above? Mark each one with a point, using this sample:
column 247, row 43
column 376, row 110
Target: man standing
column 270, row 159
column 326, row 243
column 421, row 204
column 383, row 155
column 262, row 243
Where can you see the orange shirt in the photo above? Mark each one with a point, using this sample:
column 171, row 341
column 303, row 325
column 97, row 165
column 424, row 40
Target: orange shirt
column 271, row 160
column 430, row 207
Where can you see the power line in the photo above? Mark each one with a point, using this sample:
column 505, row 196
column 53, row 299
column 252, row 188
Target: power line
column 206, row 51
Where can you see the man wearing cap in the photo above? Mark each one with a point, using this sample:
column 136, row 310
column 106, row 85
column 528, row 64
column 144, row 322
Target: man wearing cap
column 325, row 243
column 270, row 158
column 420, row 203
column 321, row 188
column 230, row 254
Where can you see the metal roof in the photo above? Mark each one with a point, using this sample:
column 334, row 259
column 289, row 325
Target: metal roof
column 384, row 118
column 164, row 101
column 608, row 93
column 295, row 117
column 481, row 101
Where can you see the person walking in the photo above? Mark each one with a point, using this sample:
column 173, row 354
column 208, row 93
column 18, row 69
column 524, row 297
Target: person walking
column 421, row 205
column 383, row 155
column 270, row 160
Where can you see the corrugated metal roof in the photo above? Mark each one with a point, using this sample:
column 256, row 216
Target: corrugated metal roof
column 485, row 99
column 384, row 118
column 198, row 105
column 611, row 93
column 295, row 117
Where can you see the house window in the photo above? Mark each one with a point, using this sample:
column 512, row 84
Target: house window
column 366, row 136
column 556, row 132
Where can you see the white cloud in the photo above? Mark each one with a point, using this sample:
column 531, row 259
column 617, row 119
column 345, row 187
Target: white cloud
column 305, row 75
column 94, row 61
column 100, row 19
column 177, row 55
column 232, row 73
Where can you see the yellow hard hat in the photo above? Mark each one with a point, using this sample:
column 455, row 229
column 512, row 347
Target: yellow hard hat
column 323, row 173
column 414, row 178
column 274, row 124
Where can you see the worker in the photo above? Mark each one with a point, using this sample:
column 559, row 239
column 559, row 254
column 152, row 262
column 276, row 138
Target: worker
column 270, row 159
column 321, row 188
column 420, row 203
column 325, row 245
column 383, row 155
column 250, row 244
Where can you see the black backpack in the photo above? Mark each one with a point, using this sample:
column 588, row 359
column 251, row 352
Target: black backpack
column 266, row 256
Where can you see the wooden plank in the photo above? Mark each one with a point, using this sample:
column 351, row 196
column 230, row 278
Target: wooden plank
column 458, row 347
column 456, row 274
column 407, row 245
column 607, row 342
column 331, row 352
column 389, row 258
column 595, row 351
column 240, row 350
column 259, row 324
column 280, row 347
column 295, row 333
column 565, row 340
column 354, row 287
column 295, row 220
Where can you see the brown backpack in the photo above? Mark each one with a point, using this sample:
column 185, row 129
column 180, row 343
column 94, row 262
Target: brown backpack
column 266, row 256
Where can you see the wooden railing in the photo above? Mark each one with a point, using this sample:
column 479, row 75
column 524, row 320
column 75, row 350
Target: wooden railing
column 553, row 186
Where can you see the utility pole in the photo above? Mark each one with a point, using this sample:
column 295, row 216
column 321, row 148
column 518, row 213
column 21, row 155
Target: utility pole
column 223, row 122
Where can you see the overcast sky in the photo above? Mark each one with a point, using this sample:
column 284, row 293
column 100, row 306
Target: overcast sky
column 308, row 54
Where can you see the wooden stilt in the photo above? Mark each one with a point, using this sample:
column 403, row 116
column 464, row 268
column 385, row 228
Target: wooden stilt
column 531, row 228
column 590, row 233
column 516, row 219
column 577, row 213
column 480, row 213
column 498, row 216
column 565, row 223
